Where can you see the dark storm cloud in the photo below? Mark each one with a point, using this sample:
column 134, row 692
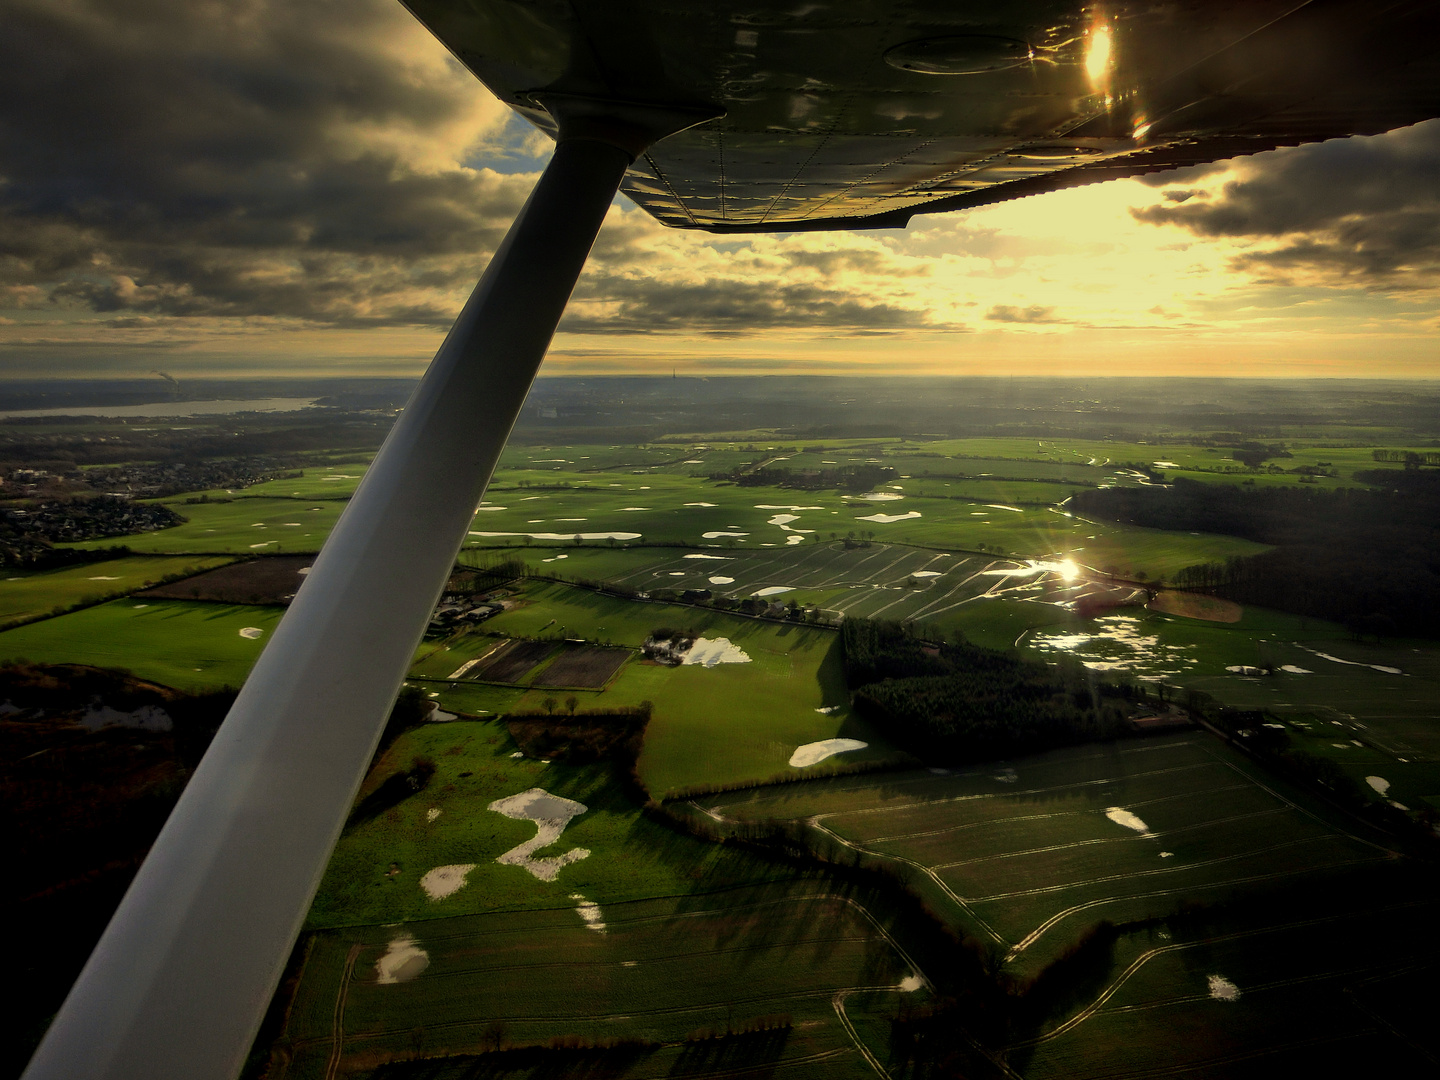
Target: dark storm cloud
column 1363, row 210
column 250, row 157
column 1009, row 313
column 727, row 306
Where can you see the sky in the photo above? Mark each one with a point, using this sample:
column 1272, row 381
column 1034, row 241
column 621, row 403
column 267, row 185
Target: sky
column 309, row 187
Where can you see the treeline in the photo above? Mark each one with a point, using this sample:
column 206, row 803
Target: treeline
column 953, row 701
column 847, row 477
column 583, row 736
column 1412, row 458
column 1367, row 558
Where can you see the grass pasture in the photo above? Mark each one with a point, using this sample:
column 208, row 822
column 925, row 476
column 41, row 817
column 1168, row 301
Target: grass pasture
column 1024, row 857
column 730, row 724
column 245, row 526
column 1307, row 992
column 375, row 872
column 32, row 595
column 656, row 971
column 1218, row 873
column 185, row 644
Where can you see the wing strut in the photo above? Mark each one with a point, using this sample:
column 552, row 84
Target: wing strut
column 178, row 984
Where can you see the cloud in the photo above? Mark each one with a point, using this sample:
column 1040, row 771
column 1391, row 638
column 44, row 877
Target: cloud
column 259, row 157
column 1009, row 313
column 1360, row 211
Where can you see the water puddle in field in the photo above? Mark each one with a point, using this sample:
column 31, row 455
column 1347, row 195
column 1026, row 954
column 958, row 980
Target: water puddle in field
column 886, row 519
column 1002, row 506
column 1130, row 821
column 816, row 752
column 1379, row 783
column 717, row 558
column 404, row 959
column 590, row 912
column 551, row 814
column 707, row 652
column 773, row 590
column 926, row 573
column 718, row 534
column 700, row 504
column 251, row 633
column 1350, row 663
column 445, row 881
column 1118, row 643
column 1222, row 989
column 721, row 579
column 878, row 496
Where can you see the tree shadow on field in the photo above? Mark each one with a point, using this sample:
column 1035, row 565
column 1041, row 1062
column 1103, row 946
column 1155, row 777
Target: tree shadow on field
column 831, row 675
column 752, row 1053
column 526, row 1063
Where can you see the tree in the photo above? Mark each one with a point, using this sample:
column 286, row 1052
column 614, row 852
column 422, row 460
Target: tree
column 571, row 704
column 549, row 706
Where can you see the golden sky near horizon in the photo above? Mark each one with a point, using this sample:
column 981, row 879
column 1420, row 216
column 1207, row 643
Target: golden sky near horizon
column 336, row 233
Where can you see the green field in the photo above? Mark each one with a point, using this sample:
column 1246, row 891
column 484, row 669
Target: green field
column 31, row 595
column 185, row 644
column 727, row 724
column 655, row 972
column 1023, row 856
column 374, row 874
column 1247, row 915
column 244, row 526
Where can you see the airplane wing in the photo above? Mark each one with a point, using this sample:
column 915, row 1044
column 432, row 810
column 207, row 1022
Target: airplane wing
column 865, row 113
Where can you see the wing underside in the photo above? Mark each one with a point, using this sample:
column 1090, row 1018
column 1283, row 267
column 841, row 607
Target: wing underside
column 863, row 114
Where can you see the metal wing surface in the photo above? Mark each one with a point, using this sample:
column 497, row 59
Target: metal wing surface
column 863, row 113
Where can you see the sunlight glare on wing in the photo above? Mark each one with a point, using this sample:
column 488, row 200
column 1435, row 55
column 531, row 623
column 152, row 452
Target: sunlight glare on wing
column 1098, row 55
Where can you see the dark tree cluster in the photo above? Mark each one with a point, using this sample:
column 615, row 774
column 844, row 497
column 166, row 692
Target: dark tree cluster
column 959, row 702
column 81, row 808
column 1367, row 558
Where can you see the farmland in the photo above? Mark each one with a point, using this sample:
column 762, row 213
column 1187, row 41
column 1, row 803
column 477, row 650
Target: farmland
column 375, row 874
column 1164, row 905
column 735, row 941
column 726, row 724
column 1219, row 870
column 32, row 595
column 1026, row 855
column 670, row 975
column 244, row 526
column 187, row 645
